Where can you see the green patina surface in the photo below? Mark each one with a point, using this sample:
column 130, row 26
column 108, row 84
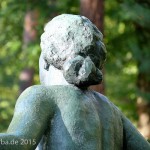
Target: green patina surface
column 73, row 44
column 68, row 116
column 70, row 119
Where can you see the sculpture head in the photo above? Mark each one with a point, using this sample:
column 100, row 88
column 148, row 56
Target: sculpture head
column 74, row 47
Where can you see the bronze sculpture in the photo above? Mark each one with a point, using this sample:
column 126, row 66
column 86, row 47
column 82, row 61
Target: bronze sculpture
column 63, row 113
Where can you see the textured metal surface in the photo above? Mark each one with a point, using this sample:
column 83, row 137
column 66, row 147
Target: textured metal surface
column 62, row 113
column 74, row 45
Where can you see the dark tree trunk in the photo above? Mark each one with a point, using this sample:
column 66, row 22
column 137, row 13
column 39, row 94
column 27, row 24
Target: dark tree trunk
column 26, row 78
column 94, row 10
column 29, row 36
column 30, row 23
column 143, row 105
column 143, row 79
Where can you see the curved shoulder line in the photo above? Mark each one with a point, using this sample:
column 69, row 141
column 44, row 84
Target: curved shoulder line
column 34, row 93
column 106, row 100
column 102, row 97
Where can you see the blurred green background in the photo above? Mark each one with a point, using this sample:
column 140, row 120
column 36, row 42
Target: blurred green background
column 126, row 29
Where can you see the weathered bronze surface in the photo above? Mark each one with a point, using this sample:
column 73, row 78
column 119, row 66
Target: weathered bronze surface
column 62, row 113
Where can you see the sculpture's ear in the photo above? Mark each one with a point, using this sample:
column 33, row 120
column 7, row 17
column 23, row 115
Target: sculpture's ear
column 43, row 63
column 46, row 65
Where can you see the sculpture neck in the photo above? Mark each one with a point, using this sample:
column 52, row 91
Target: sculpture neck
column 54, row 77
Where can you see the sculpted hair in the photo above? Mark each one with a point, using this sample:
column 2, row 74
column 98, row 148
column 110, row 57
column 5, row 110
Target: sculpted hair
column 73, row 44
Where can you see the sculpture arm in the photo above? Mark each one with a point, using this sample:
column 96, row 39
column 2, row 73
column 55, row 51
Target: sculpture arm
column 132, row 139
column 31, row 116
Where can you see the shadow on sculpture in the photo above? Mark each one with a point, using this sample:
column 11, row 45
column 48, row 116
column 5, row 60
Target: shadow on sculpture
column 62, row 113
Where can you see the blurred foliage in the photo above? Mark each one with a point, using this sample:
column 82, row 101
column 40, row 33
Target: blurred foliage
column 127, row 34
column 125, row 49
column 13, row 58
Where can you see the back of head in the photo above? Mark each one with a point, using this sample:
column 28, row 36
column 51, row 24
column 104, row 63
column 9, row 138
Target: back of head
column 74, row 45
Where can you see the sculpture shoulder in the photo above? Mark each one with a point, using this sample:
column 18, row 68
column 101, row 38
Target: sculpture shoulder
column 32, row 92
column 36, row 95
column 48, row 94
column 102, row 99
column 105, row 102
